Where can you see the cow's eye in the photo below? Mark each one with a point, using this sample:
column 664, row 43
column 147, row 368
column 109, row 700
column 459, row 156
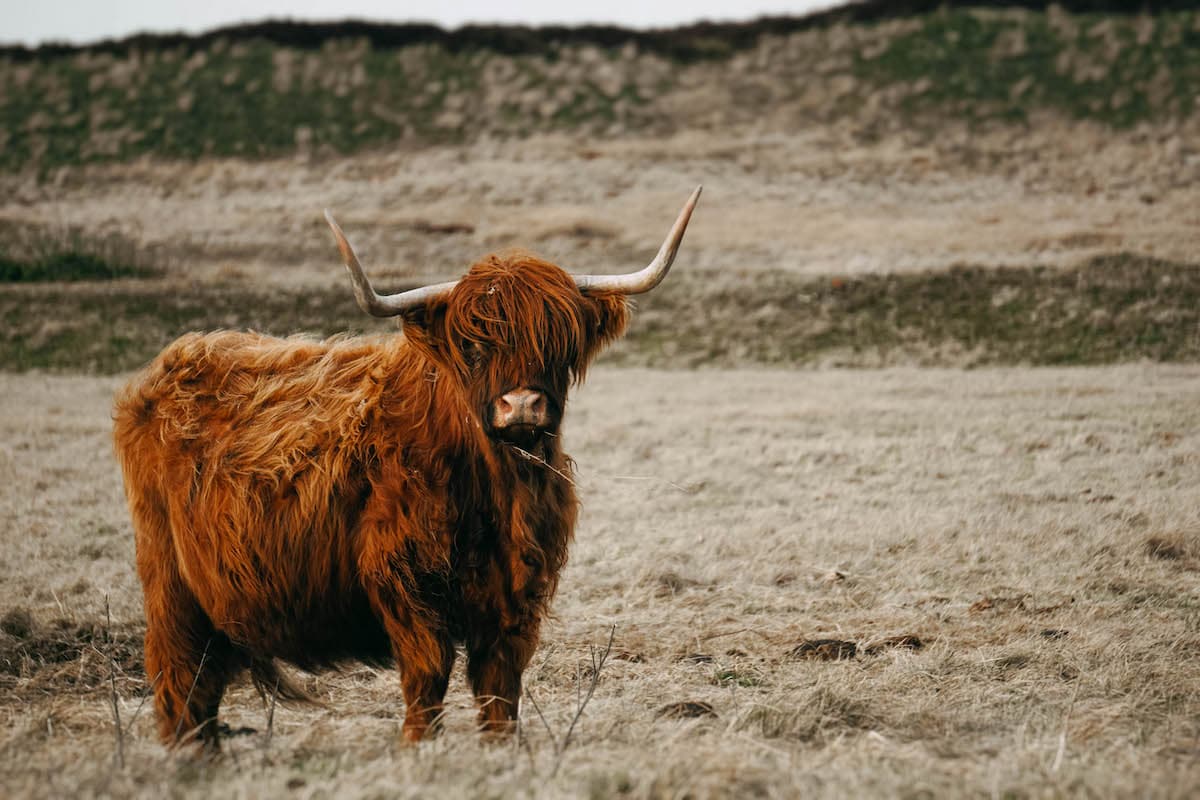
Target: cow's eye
column 475, row 354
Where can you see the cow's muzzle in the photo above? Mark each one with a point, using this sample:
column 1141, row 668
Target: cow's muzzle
column 521, row 412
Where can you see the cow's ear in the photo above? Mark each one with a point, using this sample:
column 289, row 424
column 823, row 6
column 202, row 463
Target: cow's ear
column 425, row 327
column 606, row 315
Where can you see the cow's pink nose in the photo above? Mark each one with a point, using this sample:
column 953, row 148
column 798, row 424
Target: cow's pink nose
column 521, row 407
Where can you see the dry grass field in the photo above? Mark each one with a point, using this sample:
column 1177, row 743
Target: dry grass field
column 1007, row 563
column 942, row 572
column 813, row 201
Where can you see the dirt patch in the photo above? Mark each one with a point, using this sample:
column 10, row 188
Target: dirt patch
column 65, row 656
column 17, row 622
column 842, row 650
column 1168, row 547
column 686, row 709
column 901, row 642
column 823, row 650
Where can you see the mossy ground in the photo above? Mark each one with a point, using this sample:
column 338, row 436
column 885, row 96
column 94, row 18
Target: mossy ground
column 1110, row 309
column 38, row 254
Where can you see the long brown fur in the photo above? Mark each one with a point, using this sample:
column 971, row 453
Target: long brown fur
column 316, row 502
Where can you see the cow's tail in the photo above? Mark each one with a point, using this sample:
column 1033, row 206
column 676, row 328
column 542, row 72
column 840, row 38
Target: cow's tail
column 272, row 682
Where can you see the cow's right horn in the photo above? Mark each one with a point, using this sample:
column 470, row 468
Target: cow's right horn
column 370, row 301
column 646, row 279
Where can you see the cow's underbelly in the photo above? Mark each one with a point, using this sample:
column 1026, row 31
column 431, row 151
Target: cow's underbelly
column 288, row 586
column 310, row 631
column 283, row 588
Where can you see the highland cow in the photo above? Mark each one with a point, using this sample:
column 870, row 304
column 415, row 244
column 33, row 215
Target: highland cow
column 386, row 500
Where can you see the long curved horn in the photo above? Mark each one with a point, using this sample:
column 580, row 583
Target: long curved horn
column 646, row 279
column 377, row 305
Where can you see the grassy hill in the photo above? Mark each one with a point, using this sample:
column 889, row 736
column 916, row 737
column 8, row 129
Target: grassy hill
column 276, row 87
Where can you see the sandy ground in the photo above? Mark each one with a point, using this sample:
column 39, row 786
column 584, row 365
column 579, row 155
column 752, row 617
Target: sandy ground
column 1036, row 530
column 814, row 200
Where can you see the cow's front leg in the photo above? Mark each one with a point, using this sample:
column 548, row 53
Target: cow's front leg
column 425, row 656
column 402, row 553
column 494, row 666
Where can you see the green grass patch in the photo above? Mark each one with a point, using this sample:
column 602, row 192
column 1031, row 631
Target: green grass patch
column 112, row 328
column 1111, row 309
column 41, row 254
column 1118, row 70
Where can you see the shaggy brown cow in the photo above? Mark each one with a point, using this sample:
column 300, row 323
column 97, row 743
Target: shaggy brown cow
column 384, row 500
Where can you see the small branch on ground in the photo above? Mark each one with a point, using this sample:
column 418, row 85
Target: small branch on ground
column 271, row 717
column 598, row 659
column 542, row 717
column 187, row 701
column 118, row 731
column 149, row 692
column 582, row 698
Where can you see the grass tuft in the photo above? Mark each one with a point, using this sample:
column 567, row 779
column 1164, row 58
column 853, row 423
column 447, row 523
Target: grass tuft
column 29, row 255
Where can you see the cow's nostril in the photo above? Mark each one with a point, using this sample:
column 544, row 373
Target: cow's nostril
column 536, row 403
column 503, row 406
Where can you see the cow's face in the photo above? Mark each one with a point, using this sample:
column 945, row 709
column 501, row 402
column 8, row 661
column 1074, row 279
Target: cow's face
column 516, row 332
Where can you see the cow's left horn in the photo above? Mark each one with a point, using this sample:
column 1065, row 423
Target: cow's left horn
column 646, row 279
column 375, row 304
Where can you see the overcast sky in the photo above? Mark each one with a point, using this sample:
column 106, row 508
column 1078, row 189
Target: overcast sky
column 35, row 21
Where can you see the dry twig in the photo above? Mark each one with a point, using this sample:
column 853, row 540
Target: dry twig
column 192, row 688
column 599, row 657
column 149, row 692
column 271, row 716
column 118, row 731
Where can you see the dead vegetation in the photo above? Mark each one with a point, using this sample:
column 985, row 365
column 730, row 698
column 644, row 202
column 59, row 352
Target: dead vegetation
column 911, row 581
column 957, row 617
column 64, row 655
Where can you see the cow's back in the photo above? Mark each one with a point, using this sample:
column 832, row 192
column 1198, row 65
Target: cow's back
column 242, row 457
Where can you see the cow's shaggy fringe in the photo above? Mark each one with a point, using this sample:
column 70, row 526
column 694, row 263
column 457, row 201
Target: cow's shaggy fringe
column 346, row 499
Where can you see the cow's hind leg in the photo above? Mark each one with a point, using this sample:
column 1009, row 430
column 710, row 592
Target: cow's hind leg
column 191, row 665
column 188, row 662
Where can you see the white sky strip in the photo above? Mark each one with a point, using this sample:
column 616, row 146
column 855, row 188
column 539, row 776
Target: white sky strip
column 83, row 21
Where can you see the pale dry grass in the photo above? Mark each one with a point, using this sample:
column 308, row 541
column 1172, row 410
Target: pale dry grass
column 810, row 200
column 1037, row 530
